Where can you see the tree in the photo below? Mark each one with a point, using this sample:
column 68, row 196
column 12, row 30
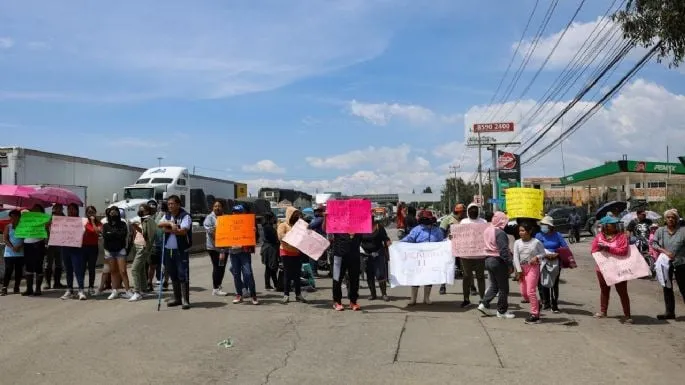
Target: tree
column 428, row 190
column 648, row 20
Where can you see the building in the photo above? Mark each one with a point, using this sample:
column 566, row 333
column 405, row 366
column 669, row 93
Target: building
column 286, row 197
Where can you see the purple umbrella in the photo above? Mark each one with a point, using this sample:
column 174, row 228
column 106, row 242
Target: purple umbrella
column 18, row 196
column 56, row 195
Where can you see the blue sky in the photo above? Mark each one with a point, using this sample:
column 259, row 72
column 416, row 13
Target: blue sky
column 358, row 96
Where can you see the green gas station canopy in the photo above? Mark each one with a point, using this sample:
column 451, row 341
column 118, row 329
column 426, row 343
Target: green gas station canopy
column 617, row 173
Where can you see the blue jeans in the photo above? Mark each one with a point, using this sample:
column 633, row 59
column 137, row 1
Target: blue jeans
column 241, row 263
column 75, row 264
column 177, row 265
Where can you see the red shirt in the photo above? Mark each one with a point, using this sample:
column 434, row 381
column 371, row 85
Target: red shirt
column 91, row 234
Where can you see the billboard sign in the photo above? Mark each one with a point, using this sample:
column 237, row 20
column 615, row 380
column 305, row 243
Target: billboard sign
column 501, row 130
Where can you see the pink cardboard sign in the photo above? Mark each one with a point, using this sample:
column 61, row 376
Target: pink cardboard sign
column 617, row 269
column 307, row 241
column 468, row 241
column 351, row 216
column 66, row 231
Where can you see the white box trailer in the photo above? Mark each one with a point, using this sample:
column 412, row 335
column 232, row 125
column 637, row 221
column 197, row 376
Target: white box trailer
column 95, row 179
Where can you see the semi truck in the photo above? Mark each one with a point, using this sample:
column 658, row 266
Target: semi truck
column 99, row 183
column 197, row 193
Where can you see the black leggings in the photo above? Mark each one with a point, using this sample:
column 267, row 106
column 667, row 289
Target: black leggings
column 218, row 271
column 269, row 276
column 669, row 295
column 90, row 254
column 34, row 255
column 293, row 272
column 16, row 265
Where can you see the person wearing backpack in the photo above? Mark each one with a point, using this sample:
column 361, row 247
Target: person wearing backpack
column 177, row 225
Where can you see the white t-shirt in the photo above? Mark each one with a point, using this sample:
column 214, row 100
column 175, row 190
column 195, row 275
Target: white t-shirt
column 468, row 221
column 525, row 251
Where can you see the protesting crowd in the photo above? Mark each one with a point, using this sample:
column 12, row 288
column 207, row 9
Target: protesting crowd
column 357, row 246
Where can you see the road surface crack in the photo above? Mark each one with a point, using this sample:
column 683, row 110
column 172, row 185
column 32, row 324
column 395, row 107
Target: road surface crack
column 288, row 354
column 399, row 339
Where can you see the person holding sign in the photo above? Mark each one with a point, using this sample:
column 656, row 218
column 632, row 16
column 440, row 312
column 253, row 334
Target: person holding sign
column 426, row 231
column 290, row 256
column 241, row 264
column 177, row 226
column 613, row 242
column 91, row 249
column 528, row 252
column 346, row 260
column 498, row 263
column 34, row 254
column 471, row 265
column 54, row 258
column 74, row 261
column 670, row 241
column 14, row 254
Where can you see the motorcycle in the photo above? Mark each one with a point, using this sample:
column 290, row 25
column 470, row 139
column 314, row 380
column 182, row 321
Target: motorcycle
column 642, row 245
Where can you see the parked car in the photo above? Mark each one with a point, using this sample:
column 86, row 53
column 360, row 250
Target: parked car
column 561, row 215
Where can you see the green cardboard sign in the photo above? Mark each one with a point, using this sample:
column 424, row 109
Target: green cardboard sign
column 32, row 225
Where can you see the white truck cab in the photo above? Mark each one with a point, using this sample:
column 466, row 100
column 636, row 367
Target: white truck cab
column 155, row 184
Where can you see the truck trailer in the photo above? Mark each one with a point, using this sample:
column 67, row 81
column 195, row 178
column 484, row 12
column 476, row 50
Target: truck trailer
column 96, row 179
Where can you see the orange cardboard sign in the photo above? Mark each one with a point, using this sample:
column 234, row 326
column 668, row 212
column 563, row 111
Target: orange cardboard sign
column 235, row 230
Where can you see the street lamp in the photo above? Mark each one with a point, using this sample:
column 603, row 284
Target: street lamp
column 159, row 160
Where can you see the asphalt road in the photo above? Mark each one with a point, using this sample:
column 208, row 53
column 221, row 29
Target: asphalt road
column 49, row 341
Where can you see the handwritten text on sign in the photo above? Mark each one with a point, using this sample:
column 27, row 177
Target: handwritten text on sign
column 348, row 216
column 66, row 231
column 415, row 264
column 32, row 225
column 307, row 241
column 617, row 269
column 524, row 202
column 468, row 241
column 235, row 230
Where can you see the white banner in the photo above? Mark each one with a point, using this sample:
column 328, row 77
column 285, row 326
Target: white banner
column 417, row 264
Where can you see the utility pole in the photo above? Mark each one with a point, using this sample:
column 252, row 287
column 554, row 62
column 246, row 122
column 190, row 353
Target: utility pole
column 480, row 170
column 453, row 170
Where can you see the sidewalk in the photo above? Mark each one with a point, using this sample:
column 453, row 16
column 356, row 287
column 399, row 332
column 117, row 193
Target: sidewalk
column 48, row 341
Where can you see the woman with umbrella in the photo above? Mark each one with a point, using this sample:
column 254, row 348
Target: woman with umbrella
column 14, row 254
column 34, row 255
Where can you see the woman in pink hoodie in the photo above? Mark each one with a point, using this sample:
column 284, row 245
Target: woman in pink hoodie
column 499, row 265
column 614, row 242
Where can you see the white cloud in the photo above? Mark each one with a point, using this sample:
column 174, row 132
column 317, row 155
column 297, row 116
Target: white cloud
column 6, row 42
column 572, row 43
column 381, row 159
column 208, row 50
column 381, row 114
column 264, row 166
column 639, row 122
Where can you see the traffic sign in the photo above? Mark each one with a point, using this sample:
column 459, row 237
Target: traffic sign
column 480, row 128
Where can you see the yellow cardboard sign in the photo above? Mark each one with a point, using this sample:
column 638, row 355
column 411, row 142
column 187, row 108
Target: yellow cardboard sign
column 525, row 202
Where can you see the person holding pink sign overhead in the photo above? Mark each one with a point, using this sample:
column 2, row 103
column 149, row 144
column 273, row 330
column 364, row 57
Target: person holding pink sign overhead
column 615, row 242
column 346, row 259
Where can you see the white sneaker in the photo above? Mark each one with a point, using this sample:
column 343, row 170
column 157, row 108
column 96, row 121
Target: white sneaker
column 135, row 297
column 484, row 310
column 92, row 292
column 114, row 295
column 218, row 292
column 127, row 295
column 67, row 295
column 82, row 296
column 507, row 315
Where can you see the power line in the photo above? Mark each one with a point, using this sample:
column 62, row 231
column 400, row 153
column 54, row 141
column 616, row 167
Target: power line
column 526, row 59
column 583, row 119
column 549, row 55
column 628, row 46
column 516, row 51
